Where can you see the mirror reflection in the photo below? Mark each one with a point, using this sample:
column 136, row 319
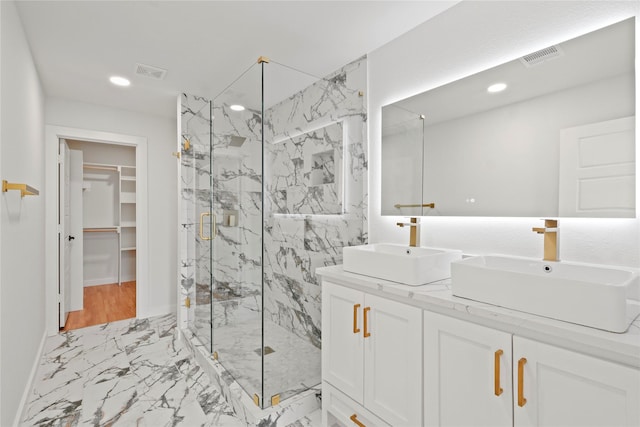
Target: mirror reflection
column 549, row 134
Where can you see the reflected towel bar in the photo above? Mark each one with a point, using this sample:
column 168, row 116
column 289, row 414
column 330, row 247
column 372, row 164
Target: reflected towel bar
column 25, row 190
column 426, row 205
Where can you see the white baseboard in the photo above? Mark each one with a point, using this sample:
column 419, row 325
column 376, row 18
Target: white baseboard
column 29, row 386
column 155, row 311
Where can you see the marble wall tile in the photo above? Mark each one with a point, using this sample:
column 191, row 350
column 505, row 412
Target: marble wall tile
column 307, row 225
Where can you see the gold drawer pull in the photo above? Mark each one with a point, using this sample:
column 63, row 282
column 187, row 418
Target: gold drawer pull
column 354, row 418
column 355, row 318
column 366, row 331
column 496, row 387
column 521, row 399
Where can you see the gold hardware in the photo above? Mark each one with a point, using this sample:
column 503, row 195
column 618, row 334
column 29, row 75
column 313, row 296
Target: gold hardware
column 187, row 302
column 187, row 145
column 275, row 399
column 202, row 215
column 426, row 205
column 360, row 93
column 263, row 59
column 550, row 232
column 414, row 234
column 176, row 154
column 355, row 318
column 521, row 399
column 256, row 400
column 25, row 190
column 365, row 312
column 496, row 387
column 354, row 418
column 215, row 355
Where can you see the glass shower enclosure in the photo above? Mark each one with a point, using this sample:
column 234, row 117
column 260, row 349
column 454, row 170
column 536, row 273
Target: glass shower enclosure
column 248, row 311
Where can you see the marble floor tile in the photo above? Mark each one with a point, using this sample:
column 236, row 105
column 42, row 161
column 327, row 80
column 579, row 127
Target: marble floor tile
column 126, row 373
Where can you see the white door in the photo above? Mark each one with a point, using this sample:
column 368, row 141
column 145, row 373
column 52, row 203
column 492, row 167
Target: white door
column 392, row 361
column 564, row 388
column 467, row 374
column 597, row 169
column 342, row 339
column 64, row 251
column 75, row 261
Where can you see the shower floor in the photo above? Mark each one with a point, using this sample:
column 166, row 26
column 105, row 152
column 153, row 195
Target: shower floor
column 291, row 364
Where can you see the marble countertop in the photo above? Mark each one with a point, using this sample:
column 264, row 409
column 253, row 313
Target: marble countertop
column 437, row 297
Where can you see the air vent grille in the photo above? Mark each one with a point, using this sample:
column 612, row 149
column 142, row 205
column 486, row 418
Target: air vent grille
column 541, row 56
column 150, row 71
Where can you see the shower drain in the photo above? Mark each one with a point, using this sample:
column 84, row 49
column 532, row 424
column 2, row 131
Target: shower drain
column 267, row 350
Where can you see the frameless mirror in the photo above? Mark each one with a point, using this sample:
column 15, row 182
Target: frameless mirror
column 557, row 140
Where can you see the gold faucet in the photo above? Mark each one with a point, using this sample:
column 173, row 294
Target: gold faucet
column 550, row 232
column 414, row 234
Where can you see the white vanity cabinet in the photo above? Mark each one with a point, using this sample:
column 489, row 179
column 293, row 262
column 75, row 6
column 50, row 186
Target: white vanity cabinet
column 371, row 353
column 558, row 387
column 467, row 373
column 473, row 377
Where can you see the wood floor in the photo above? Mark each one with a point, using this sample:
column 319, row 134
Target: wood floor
column 103, row 304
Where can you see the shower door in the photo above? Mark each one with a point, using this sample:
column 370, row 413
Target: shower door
column 196, row 162
column 237, row 245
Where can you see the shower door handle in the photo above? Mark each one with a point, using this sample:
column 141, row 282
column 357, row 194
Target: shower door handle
column 202, row 215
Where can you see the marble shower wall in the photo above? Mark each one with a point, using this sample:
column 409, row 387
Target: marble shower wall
column 316, row 188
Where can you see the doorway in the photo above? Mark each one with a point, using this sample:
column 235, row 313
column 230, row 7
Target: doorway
column 97, row 244
column 132, row 232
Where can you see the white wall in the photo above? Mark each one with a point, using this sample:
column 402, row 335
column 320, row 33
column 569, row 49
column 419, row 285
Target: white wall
column 468, row 38
column 22, row 289
column 162, row 176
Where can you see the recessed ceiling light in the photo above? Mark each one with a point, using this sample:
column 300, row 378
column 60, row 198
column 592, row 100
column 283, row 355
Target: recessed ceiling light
column 119, row 81
column 237, row 107
column 497, row 87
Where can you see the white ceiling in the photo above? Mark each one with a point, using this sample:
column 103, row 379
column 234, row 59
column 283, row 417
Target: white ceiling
column 204, row 45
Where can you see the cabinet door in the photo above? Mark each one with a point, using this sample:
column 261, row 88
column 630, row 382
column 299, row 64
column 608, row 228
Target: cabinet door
column 467, row 373
column 342, row 364
column 393, row 361
column 564, row 388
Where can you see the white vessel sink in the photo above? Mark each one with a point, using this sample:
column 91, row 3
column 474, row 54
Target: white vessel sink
column 398, row 263
column 585, row 294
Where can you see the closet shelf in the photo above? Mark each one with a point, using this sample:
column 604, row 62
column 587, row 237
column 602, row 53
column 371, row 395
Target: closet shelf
column 101, row 229
column 132, row 248
column 100, row 166
column 128, row 224
column 127, row 178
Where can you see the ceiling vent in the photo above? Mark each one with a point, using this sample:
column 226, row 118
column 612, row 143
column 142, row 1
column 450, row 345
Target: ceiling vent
column 150, row 71
column 541, row 56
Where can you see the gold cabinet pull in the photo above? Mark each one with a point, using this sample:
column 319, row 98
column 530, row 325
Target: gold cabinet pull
column 521, row 399
column 355, row 420
column 202, row 215
column 355, row 318
column 496, row 364
column 364, row 313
